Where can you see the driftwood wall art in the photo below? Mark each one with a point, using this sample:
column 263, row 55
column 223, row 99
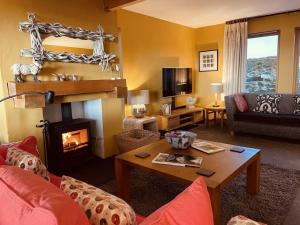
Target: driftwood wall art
column 40, row 54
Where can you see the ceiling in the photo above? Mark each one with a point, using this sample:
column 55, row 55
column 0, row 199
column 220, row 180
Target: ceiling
column 199, row 13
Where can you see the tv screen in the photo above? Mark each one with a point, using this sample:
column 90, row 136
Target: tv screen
column 176, row 81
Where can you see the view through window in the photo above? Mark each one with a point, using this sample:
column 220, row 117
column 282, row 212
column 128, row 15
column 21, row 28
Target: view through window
column 262, row 62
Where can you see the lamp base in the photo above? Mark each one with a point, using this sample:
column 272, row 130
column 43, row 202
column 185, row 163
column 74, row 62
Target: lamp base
column 215, row 105
column 138, row 111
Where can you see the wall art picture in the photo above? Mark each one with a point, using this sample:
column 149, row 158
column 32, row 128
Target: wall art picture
column 208, row 60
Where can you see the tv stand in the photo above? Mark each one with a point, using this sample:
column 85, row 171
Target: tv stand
column 180, row 118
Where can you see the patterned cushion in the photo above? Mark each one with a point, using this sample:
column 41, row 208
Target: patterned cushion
column 26, row 161
column 99, row 206
column 241, row 220
column 267, row 103
column 297, row 101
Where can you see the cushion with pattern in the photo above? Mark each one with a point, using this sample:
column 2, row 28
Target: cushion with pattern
column 267, row 103
column 99, row 206
column 297, row 108
column 26, row 161
column 242, row 220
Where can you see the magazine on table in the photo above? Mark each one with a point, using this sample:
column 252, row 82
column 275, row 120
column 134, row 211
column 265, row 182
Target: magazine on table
column 177, row 160
column 206, row 147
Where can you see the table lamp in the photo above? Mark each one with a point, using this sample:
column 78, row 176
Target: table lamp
column 138, row 99
column 216, row 88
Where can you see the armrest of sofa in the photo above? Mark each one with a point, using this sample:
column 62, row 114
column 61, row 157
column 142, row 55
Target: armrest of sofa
column 230, row 110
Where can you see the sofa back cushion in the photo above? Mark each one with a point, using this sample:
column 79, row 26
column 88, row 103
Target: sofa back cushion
column 28, row 144
column 241, row 102
column 192, row 207
column 26, row 161
column 30, row 200
column 286, row 104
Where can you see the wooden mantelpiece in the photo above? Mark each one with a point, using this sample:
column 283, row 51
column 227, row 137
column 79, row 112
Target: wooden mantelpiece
column 66, row 89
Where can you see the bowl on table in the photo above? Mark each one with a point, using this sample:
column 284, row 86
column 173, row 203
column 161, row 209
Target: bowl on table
column 180, row 139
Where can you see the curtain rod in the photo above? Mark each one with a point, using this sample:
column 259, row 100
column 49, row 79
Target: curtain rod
column 256, row 17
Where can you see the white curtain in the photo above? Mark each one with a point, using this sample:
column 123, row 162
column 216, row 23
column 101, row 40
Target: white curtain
column 235, row 57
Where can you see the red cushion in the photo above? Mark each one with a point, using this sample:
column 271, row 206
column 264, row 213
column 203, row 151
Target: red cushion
column 241, row 103
column 2, row 161
column 29, row 144
column 31, row 200
column 139, row 219
column 191, row 207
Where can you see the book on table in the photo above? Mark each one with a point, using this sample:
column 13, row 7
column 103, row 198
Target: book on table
column 177, row 160
column 206, row 147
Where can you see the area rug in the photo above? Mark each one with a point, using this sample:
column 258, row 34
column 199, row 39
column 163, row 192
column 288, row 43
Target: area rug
column 271, row 206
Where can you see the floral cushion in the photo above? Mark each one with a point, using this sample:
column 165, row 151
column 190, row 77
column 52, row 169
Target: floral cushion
column 26, row 161
column 297, row 101
column 99, row 206
column 242, row 220
column 267, row 103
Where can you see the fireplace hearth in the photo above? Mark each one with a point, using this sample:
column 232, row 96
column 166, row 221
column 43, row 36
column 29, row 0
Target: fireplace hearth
column 68, row 142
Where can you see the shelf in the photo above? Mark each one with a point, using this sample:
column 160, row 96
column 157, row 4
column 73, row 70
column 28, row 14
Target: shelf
column 106, row 88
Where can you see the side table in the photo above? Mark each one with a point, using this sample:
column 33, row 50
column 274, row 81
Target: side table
column 145, row 123
column 217, row 111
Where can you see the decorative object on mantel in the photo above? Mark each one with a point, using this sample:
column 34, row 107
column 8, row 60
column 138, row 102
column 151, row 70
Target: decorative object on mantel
column 138, row 99
column 20, row 70
column 65, row 77
column 190, row 102
column 40, row 54
column 208, row 60
column 216, row 88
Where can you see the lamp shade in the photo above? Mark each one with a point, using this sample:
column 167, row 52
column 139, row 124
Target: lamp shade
column 138, row 97
column 216, row 88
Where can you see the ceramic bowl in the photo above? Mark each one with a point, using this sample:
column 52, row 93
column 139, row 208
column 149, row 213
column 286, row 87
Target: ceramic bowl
column 180, row 139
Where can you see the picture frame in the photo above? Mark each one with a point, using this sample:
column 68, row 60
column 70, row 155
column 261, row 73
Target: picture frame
column 208, row 60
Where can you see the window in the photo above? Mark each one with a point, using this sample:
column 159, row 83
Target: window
column 297, row 61
column 262, row 60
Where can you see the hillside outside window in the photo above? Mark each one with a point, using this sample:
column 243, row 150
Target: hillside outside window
column 262, row 63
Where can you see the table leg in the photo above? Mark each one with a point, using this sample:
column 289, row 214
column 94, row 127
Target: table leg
column 122, row 178
column 206, row 118
column 215, row 198
column 253, row 176
column 222, row 119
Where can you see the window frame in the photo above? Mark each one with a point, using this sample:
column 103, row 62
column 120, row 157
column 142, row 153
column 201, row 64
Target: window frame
column 296, row 59
column 266, row 34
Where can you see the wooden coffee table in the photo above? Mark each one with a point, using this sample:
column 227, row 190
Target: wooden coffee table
column 226, row 164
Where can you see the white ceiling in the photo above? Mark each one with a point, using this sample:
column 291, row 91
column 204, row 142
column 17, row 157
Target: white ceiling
column 199, row 13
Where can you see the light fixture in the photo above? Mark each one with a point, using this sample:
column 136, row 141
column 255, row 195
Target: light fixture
column 216, row 88
column 138, row 99
column 49, row 95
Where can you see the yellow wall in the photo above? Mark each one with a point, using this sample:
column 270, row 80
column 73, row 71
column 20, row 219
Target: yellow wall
column 76, row 13
column 212, row 37
column 208, row 38
column 148, row 45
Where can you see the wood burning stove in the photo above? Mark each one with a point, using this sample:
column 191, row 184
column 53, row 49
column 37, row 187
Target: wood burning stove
column 68, row 143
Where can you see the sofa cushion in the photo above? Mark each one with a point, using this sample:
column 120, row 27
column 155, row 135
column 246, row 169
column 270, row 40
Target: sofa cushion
column 26, row 161
column 241, row 102
column 267, row 103
column 99, row 206
column 30, row 200
column 192, row 207
column 297, row 107
column 2, row 161
column 276, row 119
column 29, row 144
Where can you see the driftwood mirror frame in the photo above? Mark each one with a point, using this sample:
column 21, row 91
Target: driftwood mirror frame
column 40, row 54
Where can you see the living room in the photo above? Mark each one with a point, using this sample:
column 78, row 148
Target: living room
column 139, row 39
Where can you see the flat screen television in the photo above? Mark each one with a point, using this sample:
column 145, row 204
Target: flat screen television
column 176, row 81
